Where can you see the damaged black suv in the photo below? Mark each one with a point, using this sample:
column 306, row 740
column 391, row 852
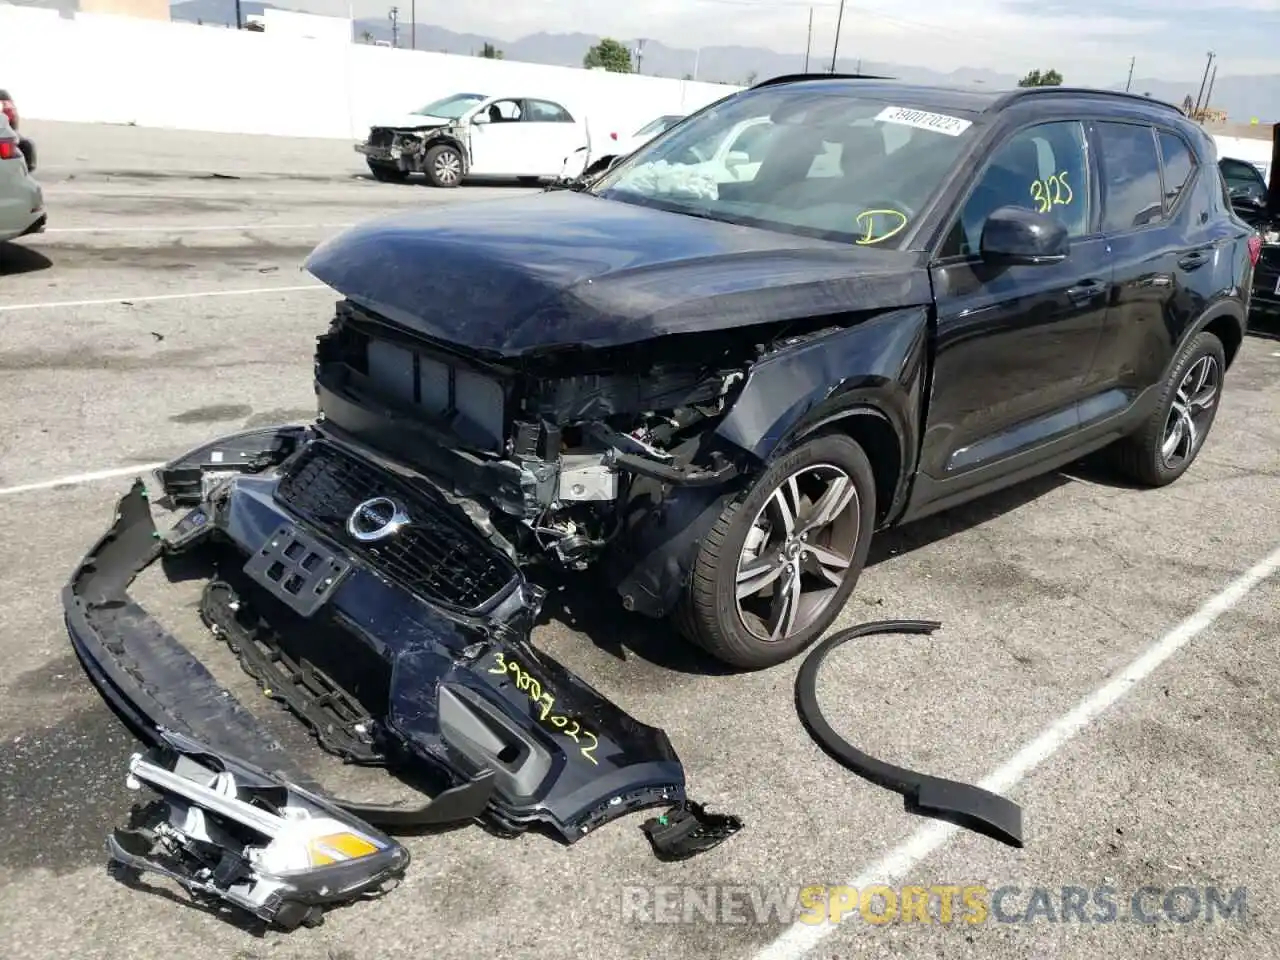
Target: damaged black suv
column 812, row 310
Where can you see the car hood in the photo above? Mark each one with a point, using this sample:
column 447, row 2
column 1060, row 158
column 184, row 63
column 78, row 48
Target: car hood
column 412, row 121
column 563, row 269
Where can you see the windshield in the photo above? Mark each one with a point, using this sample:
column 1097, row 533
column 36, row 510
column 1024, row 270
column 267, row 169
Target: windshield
column 656, row 126
column 815, row 162
column 451, row 108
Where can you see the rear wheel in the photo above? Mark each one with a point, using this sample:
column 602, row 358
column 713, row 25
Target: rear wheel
column 387, row 172
column 443, row 166
column 778, row 566
column 1166, row 445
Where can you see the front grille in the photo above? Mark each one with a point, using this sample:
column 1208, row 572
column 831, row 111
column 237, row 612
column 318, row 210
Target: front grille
column 380, row 137
column 440, row 556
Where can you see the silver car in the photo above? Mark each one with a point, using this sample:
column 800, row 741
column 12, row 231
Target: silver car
column 21, row 199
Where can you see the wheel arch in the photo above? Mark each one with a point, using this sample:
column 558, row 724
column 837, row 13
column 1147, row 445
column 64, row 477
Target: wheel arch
column 873, row 430
column 1226, row 321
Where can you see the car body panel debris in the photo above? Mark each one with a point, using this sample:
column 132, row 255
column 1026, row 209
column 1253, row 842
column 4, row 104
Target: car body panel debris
column 516, row 738
column 961, row 803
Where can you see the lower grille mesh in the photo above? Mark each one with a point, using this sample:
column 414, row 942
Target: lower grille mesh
column 439, row 556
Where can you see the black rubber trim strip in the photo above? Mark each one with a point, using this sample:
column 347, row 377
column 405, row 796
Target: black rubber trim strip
column 963, row 804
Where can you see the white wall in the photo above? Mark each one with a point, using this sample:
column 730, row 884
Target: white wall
column 185, row 76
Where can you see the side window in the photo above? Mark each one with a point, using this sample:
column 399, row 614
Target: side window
column 1178, row 166
column 1043, row 168
column 504, row 111
column 544, row 111
column 1130, row 176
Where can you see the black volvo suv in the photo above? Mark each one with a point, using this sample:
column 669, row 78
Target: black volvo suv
column 812, row 310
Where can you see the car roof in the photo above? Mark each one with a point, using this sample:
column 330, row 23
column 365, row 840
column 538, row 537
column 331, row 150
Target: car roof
column 958, row 99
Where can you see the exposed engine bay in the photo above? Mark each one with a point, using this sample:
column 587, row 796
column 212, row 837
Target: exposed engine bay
column 405, row 148
column 547, row 455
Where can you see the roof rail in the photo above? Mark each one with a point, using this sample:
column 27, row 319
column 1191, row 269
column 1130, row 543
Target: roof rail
column 1022, row 92
column 800, row 77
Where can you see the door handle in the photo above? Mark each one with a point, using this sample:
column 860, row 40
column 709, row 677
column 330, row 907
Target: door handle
column 1193, row 260
column 1086, row 291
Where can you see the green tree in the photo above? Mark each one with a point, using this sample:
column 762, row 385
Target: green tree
column 1037, row 78
column 611, row 55
column 751, row 79
column 366, row 37
column 490, row 52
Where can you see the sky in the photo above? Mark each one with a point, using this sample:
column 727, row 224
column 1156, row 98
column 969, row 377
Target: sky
column 1088, row 41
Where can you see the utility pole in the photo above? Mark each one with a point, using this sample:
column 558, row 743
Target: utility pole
column 1204, row 79
column 392, row 15
column 808, row 43
column 1209, row 92
column 1128, row 83
column 836, row 46
column 239, row 19
column 413, row 24
column 639, row 53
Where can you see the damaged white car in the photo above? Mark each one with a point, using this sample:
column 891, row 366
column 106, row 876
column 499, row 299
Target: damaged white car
column 472, row 134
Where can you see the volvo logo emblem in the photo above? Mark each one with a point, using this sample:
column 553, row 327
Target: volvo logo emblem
column 376, row 519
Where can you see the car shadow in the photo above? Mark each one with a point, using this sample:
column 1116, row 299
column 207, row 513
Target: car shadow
column 579, row 603
column 15, row 259
column 1264, row 328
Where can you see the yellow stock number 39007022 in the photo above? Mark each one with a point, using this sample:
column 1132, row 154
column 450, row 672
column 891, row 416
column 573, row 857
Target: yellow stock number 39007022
column 1052, row 191
column 546, row 703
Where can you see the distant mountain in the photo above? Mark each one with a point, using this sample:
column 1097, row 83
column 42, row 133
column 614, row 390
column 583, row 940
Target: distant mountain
column 1243, row 97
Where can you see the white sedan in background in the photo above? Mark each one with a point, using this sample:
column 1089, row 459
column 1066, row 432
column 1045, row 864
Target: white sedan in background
column 475, row 135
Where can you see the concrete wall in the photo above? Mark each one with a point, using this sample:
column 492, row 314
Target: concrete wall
column 164, row 74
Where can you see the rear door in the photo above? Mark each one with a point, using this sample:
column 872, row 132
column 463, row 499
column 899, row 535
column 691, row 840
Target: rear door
column 1169, row 248
column 1015, row 344
column 556, row 133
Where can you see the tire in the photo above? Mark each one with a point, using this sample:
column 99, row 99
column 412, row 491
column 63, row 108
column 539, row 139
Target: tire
column 443, row 166
column 736, row 634
column 387, row 173
column 1186, row 399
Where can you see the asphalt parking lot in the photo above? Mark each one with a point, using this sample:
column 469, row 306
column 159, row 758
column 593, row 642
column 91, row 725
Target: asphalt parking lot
column 166, row 305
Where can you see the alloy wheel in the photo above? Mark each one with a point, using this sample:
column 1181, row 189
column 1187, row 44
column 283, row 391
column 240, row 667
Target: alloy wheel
column 1191, row 412
column 797, row 552
column 448, row 167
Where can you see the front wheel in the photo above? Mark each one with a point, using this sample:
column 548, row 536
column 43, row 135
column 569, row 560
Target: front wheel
column 443, row 166
column 778, row 566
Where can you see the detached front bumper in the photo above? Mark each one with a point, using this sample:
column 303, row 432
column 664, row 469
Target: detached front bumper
column 517, row 739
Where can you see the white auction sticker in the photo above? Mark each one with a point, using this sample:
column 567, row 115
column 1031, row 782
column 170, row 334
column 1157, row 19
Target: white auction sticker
column 938, row 122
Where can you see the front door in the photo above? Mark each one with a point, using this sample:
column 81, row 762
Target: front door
column 500, row 143
column 1015, row 344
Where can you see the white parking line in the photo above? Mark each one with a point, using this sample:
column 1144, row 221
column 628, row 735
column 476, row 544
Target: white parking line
column 78, row 478
column 199, row 229
column 800, row 938
column 51, row 304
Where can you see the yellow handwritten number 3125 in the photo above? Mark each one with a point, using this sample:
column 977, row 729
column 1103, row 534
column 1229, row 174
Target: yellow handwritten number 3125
column 1053, row 191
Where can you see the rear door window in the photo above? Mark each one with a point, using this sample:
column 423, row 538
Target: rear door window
column 1179, row 164
column 1131, row 191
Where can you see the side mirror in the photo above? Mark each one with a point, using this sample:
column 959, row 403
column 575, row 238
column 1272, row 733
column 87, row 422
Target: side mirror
column 1016, row 235
column 736, row 158
column 479, row 118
